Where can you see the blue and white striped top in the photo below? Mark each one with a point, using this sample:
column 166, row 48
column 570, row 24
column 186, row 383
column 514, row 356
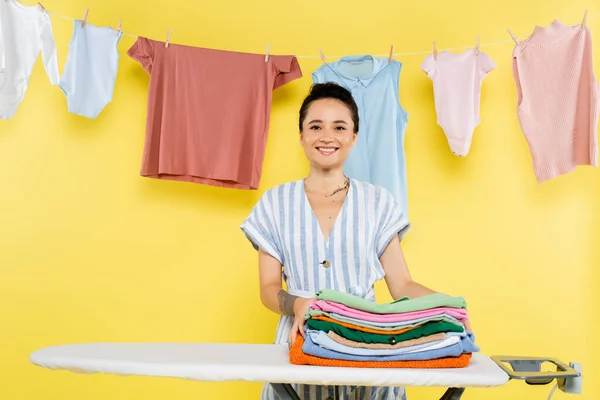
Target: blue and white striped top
column 283, row 224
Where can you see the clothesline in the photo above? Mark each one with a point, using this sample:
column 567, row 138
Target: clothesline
column 374, row 55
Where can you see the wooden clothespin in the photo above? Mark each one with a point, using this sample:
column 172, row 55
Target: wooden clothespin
column 119, row 27
column 168, row 38
column 477, row 46
column 435, row 52
column 584, row 19
column 267, row 52
column 391, row 54
column 513, row 36
column 41, row 6
column 322, row 56
column 85, row 15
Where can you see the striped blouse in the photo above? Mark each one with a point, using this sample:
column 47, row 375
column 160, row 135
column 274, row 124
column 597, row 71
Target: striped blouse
column 283, row 225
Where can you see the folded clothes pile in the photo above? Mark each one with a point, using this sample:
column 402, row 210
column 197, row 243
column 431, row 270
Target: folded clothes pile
column 348, row 331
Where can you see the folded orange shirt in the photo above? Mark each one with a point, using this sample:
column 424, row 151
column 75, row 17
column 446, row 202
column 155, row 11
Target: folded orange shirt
column 298, row 357
column 363, row 328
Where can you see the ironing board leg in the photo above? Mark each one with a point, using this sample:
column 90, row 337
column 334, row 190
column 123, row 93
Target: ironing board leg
column 285, row 391
column 453, row 394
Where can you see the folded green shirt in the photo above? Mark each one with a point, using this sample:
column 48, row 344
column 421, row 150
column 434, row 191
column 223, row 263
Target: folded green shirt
column 397, row 306
column 429, row 328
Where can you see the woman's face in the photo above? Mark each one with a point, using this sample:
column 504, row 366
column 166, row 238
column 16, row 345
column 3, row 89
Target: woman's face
column 327, row 133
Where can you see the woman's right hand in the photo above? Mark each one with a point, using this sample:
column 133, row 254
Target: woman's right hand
column 300, row 306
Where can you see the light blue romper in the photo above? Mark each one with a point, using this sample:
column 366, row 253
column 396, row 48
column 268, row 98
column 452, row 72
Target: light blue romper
column 91, row 69
column 284, row 225
column 378, row 155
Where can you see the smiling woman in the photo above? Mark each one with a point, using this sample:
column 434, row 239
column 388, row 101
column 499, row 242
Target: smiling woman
column 328, row 231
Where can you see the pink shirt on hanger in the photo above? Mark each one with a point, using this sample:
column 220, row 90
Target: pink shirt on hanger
column 208, row 112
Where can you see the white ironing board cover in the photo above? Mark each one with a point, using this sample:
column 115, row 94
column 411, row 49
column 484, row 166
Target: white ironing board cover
column 251, row 363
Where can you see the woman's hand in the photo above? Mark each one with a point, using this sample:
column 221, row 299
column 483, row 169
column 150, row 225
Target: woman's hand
column 300, row 306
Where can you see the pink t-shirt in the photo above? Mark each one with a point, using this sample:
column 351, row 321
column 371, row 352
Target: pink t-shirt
column 208, row 112
column 341, row 309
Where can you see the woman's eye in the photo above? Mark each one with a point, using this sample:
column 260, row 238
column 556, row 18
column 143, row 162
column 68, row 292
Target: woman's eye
column 315, row 127
column 340, row 128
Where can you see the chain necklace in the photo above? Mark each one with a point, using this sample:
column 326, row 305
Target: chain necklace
column 346, row 186
column 339, row 189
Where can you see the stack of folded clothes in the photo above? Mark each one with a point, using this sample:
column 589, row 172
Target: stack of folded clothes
column 348, row 331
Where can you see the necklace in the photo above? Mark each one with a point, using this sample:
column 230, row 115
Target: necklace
column 339, row 189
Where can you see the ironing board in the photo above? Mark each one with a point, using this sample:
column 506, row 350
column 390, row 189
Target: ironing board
column 254, row 363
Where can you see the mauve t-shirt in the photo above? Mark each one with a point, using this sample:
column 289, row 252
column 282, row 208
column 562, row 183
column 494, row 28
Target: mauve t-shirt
column 208, row 112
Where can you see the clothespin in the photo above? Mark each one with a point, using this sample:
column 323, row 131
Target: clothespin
column 391, row 54
column 85, row 15
column 267, row 52
column 168, row 38
column 435, row 52
column 119, row 27
column 584, row 19
column 321, row 55
column 513, row 36
column 477, row 46
column 41, row 6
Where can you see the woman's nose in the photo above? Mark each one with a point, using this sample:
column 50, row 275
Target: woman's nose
column 327, row 136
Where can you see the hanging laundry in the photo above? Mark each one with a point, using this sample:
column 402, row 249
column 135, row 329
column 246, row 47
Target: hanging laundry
column 557, row 98
column 457, row 82
column 378, row 155
column 88, row 80
column 24, row 32
column 208, row 112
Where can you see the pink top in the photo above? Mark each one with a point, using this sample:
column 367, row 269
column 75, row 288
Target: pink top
column 208, row 112
column 557, row 98
column 341, row 309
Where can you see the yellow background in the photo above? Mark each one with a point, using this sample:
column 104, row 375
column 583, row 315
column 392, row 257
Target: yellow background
column 90, row 251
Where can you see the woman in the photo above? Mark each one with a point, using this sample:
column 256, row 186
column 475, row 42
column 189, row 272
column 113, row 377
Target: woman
column 328, row 231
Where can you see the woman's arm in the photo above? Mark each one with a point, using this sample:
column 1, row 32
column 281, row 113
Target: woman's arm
column 397, row 276
column 269, row 275
column 278, row 300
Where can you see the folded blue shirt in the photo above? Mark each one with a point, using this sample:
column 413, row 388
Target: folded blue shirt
column 322, row 339
column 466, row 345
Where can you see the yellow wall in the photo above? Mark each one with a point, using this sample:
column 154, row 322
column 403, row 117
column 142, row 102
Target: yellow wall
column 90, row 251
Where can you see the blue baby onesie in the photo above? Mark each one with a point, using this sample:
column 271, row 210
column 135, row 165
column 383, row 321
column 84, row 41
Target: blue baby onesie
column 91, row 69
column 378, row 155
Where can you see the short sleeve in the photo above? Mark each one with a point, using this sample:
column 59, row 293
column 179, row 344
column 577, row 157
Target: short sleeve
column 391, row 221
column 287, row 69
column 428, row 65
column 486, row 64
column 143, row 52
column 260, row 228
